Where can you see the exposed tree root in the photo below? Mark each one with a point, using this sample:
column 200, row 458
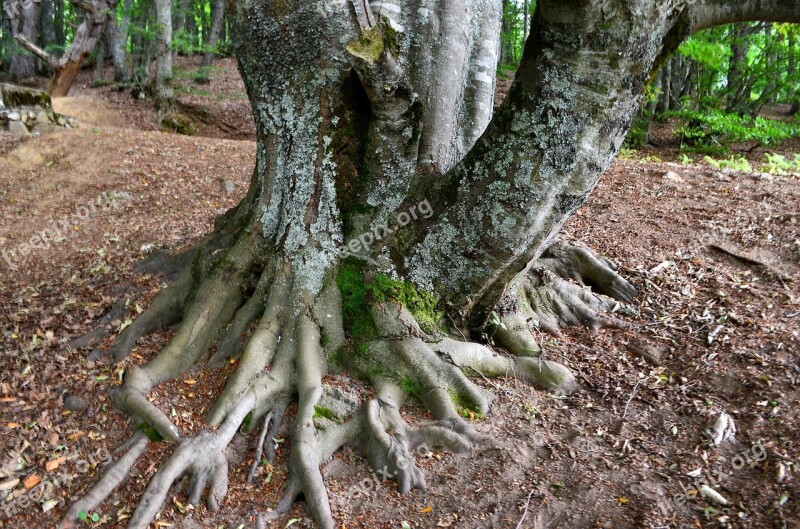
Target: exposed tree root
column 285, row 357
column 556, row 294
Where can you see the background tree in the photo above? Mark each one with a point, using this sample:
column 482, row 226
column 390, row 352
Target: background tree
column 366, row 116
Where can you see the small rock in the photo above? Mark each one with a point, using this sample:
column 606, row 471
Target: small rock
column 42, row 117
column 17, row 127
column 74, row 403
column 673, row 176
column 72, row 122
column 14, row 116
column 228, row 186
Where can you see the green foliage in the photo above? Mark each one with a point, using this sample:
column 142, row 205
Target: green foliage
column 638, row 134
column 737, row 163
column 513, row 32
column 778, row 164
column 717, row 127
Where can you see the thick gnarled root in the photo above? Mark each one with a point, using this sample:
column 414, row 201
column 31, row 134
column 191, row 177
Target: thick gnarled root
column 292, row 333
column 567, row 286
column 579, row 264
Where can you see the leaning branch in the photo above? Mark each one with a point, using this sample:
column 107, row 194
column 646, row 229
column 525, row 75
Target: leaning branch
column 83, row 4
column 36, row 50
column 714, row 13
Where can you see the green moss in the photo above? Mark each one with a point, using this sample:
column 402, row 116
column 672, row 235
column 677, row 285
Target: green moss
column 369, row 46
column 464, row 408
column 180, row 123
column 321, row 412
column 421, row 304
column 246, row 422
column 408, row 385
column 151, row 432
column 390, row 40
column 355, row 301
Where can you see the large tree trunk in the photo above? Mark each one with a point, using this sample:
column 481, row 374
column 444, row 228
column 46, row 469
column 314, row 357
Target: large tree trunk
column 380, row 198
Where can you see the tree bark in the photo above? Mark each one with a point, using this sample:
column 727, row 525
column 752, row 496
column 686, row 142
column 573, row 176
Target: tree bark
column 47, row 31
column 119, row 42
column 217, row 16
column 162, row 87
column 24, row 25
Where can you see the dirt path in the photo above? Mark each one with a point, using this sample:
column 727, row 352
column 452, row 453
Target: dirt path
column 713, row 333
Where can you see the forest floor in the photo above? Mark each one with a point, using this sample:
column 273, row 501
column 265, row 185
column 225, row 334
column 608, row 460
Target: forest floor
column 715, row 255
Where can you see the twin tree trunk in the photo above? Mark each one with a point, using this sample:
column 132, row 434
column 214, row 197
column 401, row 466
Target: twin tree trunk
column 414, row 94
column 384, row 191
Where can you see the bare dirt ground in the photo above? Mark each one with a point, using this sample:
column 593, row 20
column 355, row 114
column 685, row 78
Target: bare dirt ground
column 715, row 255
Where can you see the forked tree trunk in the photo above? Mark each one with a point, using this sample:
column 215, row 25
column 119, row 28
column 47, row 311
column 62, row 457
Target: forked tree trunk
column 83, row 42
column 372, row 141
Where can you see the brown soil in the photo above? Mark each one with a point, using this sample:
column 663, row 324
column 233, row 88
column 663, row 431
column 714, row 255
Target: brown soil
column 713, row 332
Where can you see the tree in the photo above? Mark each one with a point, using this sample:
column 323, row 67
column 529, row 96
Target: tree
column 83, row 42
column 377, row 201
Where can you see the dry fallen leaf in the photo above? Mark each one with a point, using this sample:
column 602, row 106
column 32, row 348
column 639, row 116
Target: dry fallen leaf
column 54, row 463
column 31, row 481
column 426, row 509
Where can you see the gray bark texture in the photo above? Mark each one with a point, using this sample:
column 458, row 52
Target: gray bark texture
column 162, row 88
column 366, row 113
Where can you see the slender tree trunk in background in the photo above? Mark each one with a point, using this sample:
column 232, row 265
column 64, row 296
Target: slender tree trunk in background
column 58, row 16
column 505, row 32
column 119, row 43
column 25, row 25
column 666, row 88
column 224, row 37
column 163, row 79
column 47, row 30
column 649, row 111
column 217, row 16
column 525, row 21
column 794, row 90
column 100, row 61
column 737, row 87
column 678, row 80
column 190, row 25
